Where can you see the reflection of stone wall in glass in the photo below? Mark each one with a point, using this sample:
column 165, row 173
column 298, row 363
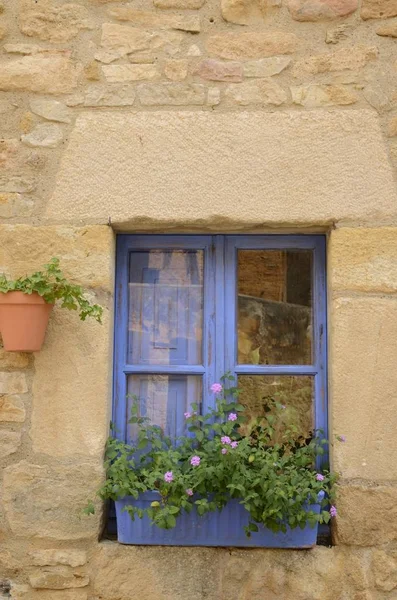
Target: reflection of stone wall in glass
column 273, row 332
column 294, row 392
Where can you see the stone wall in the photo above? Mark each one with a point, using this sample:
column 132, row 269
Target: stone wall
column 247, row 115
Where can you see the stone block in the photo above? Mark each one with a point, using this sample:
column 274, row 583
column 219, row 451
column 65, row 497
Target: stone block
column 173, row 94
column 44, row 135
column 57, row 578
column 155, row 20
column 378, row 9
column 52, row 21
column 363, row 259
column 46, row 73
column 313, row 96
column 265, row 92
column 13, row 360
column 45, row 502
column 329, row 188
column 351, row 58
column 179, row 4
column 123, row 39
column 388, row 30
column 71, row 397
column 12, row 409
column 176, row 70
column 266, row 67
column 102, row 95
column 238, row 46
column 367, row 516
column 25, row 592
column 52, row 110
column 54, row 557
column 13, row 383
column 363, row 383
column 321, row 10
column 246, row 12
column 384, row 569
column 85, row 252
column 10, row 441
column 125, row 73
column 216, row 70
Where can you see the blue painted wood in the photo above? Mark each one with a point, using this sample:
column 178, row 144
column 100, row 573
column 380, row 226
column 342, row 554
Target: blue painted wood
column 220, row 319
column 220, row 528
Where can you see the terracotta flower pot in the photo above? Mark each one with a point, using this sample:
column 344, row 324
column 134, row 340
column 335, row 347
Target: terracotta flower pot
column 23, row 321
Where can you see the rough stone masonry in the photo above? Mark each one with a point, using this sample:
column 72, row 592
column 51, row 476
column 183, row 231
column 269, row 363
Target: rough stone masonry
column 195, row 116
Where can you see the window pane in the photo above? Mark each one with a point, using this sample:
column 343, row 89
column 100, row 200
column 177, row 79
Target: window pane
column 274, row 307
column 164, row 399
column 296, row 393
column 165, row 307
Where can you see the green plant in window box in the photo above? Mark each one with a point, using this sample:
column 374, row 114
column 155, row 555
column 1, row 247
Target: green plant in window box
column 26, row 303
column 269, row 468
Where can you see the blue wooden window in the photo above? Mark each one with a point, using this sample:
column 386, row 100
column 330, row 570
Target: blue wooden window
column 191, row 308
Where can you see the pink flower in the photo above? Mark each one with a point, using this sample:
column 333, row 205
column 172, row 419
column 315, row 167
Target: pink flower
column 189, row 492
column 225, row 439
column 341, row 438
column 332, row 511
column 168, row 477
column 224, row 451
column 232, row 417
column 216, row 388
column 319, row 477
column 195, row 461
column 187, row 415
column 234, row 444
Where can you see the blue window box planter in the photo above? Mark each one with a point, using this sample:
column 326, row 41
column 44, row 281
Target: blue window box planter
column 221, row 528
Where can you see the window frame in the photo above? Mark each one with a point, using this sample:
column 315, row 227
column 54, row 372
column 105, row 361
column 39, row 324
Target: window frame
column 219, row 314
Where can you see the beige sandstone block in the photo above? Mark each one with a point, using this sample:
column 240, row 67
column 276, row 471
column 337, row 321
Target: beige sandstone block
column 392, row 129
column 101, row 95
column 45, row 502
column 216, row 70
column 52, row 110
column 48, row 73
column 155, row 20
column 92, row 71
column 337, row 145
column 85, row 252
column 378, row 9
column 176, row 70
column 246, row 12
column 173, row 94
column 22, row 48
column 376, row 97
column 236, row 46
column 57, row 578
column 44, row 135
column 388, row 30
column 123, row 39
column 213, row 96
column 71, row 398
column 10, row 441
column 8, row 205
column 25, row 592
column 321, row 10
column 363, row 260
column 335, row 34
column 367, row 516
column 17, row 185
column 266, row 67
column 179, row 4
column 313, row 96
column 126, row 73
column 350, row 58
column 52, row 21
column 13, row 383
column 384, row 568
column 12, row 409
column 53, row 557
column 363, row 382
column 266, row 92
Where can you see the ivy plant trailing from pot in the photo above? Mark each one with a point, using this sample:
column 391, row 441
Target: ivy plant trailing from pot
column 26, row 303
column 229, row 475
